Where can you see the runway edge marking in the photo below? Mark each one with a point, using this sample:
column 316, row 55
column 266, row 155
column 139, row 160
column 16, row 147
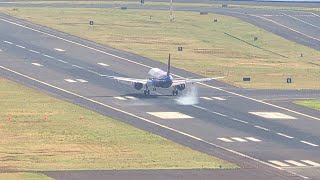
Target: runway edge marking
column 151, row 122
column 229, row 92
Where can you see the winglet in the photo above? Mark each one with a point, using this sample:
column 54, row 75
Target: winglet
column 168, row 71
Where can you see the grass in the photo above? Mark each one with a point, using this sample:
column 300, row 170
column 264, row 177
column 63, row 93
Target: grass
column 207, row 49
column 314, row 104
column 24, row 176
column 39, row 132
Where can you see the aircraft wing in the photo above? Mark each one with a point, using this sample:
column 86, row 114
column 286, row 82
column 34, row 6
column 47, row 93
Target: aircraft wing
column 132, row 80
column 184, row 81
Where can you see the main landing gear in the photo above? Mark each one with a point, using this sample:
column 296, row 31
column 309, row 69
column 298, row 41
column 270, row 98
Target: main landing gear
column 147, row 91
column 175, row 91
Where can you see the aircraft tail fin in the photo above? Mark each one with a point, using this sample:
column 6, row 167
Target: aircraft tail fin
column 168, row 70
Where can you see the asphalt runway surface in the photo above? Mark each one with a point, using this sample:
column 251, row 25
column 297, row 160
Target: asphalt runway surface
column 261, row 130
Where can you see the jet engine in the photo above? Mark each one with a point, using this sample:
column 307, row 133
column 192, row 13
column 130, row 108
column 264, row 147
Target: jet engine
column 137, row 86
column 181, row 87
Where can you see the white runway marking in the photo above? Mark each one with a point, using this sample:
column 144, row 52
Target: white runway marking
column 77, row 66
column 70, row 80
column 311, row 144
column 120, row 98
column 141, row 118
column 131, row 97
column 239, row 139
column 253, row 139
column 206, row 98
column 219, row 98
column 284, row 135
column 259, row 127
column 302, row 21
column 48, row 56
column 170, row 115
column 143, row 65
column 295, row 163
column 62, row 61
column 103, row 64
column 34, row 51
column 310, row 163
column 279, row 163
column 0, row 50
column 37, row 64
column 8, row 42
column 272, row 115
column 239, row 120
column 82, row 80
column 225, row 139
column 20, row 46
column 61, row 50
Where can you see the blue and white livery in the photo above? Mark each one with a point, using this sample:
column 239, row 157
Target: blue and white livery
column 161, row 79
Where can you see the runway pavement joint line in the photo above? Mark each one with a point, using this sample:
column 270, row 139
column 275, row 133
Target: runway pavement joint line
column 203, row 84
column 309, row 143
column 151, row 122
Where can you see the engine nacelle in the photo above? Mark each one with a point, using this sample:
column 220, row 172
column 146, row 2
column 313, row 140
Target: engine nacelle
column 181, row 87
column 137, row 86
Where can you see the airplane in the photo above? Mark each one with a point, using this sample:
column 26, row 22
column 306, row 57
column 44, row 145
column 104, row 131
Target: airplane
column 160, row 79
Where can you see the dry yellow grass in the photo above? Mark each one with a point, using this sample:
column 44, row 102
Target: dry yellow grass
column 39, row 132
column 207, row 49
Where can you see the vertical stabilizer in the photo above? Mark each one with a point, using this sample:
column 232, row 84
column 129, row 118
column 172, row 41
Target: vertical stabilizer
column 168, row 70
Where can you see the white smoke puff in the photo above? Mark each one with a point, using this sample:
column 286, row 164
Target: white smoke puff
column 189, row 97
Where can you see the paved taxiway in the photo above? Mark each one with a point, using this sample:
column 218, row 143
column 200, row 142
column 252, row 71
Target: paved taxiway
column 233, row 126
column 299, row 26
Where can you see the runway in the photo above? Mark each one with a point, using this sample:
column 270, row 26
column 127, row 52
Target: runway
column 259, row 130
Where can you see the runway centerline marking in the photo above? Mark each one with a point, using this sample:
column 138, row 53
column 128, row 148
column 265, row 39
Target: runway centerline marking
column 128, row 60
column 259, row 127
column 120, row 98
column 8, row 42
column 82, row 80
column 37, row 64
column 20, row 46
column 58, row 49
column 103, row 64
column 170, row 115
column 284, row 135
column 151, row 122
column 70, row 80
column 48, row 56
column 309, row 143
column 34, row 51
column 272, row 115
column 219, row 98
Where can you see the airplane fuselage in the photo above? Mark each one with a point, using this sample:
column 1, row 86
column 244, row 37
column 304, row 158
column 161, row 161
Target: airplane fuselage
column 159, row 78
